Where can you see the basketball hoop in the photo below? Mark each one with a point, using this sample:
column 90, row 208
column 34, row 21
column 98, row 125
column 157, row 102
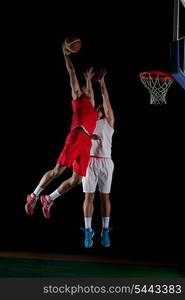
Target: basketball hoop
column 157, row 83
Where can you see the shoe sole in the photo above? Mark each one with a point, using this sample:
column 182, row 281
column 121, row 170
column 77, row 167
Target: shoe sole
column 42, row 202
column 27, row 210
column 106, row 246
column 89, row 246
column 45, row 213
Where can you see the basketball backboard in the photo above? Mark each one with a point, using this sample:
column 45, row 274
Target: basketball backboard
column 178, row 43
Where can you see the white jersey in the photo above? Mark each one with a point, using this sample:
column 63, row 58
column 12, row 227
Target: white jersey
column 102, row 147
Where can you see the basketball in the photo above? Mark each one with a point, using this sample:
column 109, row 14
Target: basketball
column 72, row 44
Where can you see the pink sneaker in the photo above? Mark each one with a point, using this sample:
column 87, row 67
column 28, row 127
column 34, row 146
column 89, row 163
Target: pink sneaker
column 46, row 205
column 31, row 202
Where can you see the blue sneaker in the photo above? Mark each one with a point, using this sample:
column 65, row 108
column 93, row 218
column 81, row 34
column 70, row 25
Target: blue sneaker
column 105, row 237
column 88, row 241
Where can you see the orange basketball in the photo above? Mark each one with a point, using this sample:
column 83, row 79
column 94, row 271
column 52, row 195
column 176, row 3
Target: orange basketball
column 72, row 44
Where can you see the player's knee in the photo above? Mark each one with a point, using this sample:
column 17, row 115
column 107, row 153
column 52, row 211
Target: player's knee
column 76, row 180
column 89, row 197
column 104, row 197
column 54, row 173
column 57, row 171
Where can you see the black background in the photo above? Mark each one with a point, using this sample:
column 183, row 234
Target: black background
column 148, row 149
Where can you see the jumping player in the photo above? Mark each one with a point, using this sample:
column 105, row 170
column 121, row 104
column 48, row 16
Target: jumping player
column 100, row 169
column 76, row 151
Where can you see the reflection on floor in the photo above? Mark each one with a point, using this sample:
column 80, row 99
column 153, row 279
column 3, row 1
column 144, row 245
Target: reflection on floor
column 19, row 264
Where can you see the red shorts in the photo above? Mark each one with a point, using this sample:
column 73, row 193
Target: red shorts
column 76, row 151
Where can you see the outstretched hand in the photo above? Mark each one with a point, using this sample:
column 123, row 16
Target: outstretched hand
column 65, row 51
column 89, row 74
column 101, row 75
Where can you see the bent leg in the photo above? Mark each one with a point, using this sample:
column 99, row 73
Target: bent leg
column 70, row 183
column 48, row 200
column 46, row 179
column 50, row 175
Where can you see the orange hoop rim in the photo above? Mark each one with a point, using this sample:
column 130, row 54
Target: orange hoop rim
column 156, row 75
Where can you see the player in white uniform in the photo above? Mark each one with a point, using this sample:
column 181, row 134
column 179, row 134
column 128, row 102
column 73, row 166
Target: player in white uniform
column 100, row 170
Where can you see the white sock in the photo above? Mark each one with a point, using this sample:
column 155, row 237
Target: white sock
column 38, row 190
column 105, row 222
column 88, row 221
column 54, row 195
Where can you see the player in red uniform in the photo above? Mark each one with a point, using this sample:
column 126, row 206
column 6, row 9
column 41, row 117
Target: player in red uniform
column 76, row 151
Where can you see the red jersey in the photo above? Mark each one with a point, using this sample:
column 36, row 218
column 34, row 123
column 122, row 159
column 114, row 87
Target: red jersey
column 84, row 114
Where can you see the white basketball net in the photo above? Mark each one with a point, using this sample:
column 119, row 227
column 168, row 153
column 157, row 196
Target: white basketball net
column 157, row 85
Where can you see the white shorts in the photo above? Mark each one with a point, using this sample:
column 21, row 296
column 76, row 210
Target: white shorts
column 99, row 172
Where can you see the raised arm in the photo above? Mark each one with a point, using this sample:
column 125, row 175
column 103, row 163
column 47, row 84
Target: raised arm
column 75, row 88
column 109, row 115
column 88, row 76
